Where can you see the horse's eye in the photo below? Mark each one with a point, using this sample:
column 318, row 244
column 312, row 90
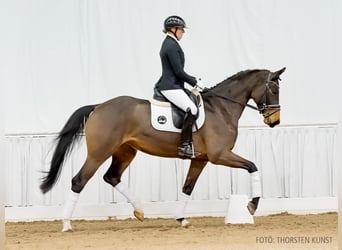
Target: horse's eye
column 273, row 91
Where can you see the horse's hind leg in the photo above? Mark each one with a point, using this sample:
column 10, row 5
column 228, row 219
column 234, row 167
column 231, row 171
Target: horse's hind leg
column 78, row 182
column 194, row 172
column 120, row 161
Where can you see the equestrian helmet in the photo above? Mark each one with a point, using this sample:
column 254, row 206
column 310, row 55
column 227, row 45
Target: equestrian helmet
column 173, row 21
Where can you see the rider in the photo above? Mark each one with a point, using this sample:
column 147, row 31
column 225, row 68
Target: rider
column 171, row 83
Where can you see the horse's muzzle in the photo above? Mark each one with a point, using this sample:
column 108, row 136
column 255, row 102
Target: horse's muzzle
column 272, row 117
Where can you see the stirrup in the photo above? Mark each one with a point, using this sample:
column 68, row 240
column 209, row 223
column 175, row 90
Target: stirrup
column 187, row 150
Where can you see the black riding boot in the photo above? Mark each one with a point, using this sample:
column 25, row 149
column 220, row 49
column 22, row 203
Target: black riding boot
column 186, row 149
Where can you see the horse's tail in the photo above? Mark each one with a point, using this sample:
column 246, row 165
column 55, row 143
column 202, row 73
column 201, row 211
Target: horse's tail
column 65, row 142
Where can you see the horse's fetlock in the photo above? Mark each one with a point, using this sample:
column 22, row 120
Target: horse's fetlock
column 252, row 168
column 76, row 188
column 76, row 184
column 111, row 180
column 187, row 190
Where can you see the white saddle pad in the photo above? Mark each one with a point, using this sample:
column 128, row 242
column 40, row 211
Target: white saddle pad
column 161, row 116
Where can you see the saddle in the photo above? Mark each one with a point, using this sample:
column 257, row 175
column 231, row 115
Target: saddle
column 177, row 113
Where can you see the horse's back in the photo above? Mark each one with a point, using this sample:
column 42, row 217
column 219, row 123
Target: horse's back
column 121, row 105
column 122, row 111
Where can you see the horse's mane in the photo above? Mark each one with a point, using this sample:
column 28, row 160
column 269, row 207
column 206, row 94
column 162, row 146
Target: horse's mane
column 236, row 77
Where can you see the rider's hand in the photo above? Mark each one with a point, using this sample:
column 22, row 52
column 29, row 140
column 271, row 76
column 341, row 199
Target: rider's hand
column 199, row 88
column 199, row 84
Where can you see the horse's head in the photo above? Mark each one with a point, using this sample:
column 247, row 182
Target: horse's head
column 266, row 96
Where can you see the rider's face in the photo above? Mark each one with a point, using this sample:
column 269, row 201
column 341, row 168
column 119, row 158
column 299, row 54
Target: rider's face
column 179, row 32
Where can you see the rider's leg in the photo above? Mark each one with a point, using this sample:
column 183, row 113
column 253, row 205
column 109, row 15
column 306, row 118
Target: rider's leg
column 186, row 148
column 179, row 98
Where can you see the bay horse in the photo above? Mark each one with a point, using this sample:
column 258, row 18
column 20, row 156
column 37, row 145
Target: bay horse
column 118, row 128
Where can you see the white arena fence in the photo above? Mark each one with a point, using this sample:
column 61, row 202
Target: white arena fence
column 297, row 163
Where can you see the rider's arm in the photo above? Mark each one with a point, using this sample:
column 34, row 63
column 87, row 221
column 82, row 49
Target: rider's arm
column 176, row 64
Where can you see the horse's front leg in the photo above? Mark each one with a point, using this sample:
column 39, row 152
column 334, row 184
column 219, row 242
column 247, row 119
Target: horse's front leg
column 194, row 172
column 229, row 159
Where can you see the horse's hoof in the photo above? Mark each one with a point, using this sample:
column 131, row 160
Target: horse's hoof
column 184, row 223
column 139, row 214
column 64, row 230
column 66, row 226
column 253, row 205
column 251, row 208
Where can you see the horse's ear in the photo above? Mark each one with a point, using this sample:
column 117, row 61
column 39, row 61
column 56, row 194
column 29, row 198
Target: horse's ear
column 275, row 75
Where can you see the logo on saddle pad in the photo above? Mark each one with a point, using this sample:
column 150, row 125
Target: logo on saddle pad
column 167, row 117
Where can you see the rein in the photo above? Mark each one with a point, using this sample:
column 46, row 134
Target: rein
column 230, row 99
column 264, row 105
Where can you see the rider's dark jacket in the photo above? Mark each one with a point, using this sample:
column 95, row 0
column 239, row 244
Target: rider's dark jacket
column 172, row 59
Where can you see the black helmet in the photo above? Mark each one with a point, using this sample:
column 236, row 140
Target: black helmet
column 173, row 21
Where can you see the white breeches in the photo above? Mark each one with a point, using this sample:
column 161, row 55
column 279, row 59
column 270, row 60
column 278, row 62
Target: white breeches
column 179, row 98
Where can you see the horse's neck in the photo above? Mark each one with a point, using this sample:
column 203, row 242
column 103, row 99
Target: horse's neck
column 237, row 92
column 221, row 99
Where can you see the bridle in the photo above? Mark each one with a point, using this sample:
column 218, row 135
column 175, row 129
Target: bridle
column 264, row 106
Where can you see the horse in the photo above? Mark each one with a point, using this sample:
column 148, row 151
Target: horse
column 119, row 127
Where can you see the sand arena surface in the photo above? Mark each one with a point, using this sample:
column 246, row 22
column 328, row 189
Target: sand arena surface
column 281, row 231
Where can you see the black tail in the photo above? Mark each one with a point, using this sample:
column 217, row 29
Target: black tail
column 65, row 141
